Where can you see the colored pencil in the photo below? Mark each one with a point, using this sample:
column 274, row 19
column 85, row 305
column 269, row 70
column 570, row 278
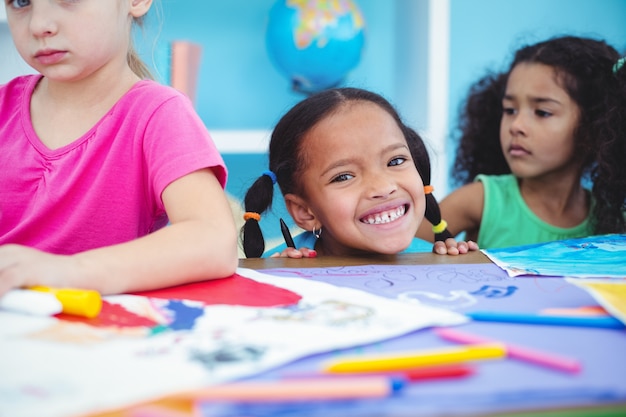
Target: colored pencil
column 298, row 389
column 421, row 373
column 522, row 353
column 529, row 318
column 405, row 360
column 438, row 372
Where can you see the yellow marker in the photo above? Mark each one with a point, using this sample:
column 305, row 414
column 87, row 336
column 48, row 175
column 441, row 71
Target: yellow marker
column 406, row 360
column 85, row 303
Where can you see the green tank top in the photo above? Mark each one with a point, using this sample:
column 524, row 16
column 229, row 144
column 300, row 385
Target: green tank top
column 508, row 221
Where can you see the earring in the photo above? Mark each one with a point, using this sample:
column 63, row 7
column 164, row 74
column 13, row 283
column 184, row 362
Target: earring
column 317, row 233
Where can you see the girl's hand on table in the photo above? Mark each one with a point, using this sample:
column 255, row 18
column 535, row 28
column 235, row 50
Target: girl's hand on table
column 296, row 253
column 452, row 247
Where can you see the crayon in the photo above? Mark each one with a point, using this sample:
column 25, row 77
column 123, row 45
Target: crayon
column 438, row 372
column 421, row 373
column 406, row 360
column 530, row 318
column 534, row 356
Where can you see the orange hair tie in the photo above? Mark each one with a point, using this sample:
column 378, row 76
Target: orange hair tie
column 428, row 189
column 251, row 215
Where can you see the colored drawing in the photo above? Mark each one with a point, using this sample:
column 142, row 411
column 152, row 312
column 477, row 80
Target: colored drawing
column 595, row 256
column 479, row 287
column 142, row 347
column 455, row 287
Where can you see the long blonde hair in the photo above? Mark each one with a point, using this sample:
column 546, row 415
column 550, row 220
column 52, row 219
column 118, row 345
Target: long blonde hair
column 135, row 63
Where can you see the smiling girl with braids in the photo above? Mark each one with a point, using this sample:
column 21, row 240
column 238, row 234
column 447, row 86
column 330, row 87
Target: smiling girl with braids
column 353, row 175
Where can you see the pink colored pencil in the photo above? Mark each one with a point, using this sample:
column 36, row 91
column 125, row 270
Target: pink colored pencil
column 522, row 353
column 298, row 389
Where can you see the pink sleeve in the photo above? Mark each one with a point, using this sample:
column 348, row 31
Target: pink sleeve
column 176, row 144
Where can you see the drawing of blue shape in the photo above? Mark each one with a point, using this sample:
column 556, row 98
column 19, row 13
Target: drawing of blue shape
column 494, row 291
column 184, row 317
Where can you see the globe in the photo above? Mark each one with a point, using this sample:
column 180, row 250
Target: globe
column 315, row 43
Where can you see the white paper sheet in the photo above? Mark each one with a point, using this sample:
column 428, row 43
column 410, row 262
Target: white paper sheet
column 51, row 367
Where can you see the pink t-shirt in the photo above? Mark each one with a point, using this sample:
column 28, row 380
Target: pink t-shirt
column 105, row 187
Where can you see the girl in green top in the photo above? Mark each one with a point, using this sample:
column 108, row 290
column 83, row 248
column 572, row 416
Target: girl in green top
column 538, row 133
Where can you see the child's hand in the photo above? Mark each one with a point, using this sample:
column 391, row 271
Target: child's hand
column 21, row 266
column 452, row 247
column 296, row 253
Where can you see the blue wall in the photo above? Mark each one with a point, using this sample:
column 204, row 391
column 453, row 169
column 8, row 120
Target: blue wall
column 239, row 88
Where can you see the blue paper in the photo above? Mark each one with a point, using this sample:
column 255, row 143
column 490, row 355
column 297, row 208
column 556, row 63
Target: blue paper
column 593, row 256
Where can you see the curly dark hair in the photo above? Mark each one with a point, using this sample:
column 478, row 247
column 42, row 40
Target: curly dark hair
column 584, row 66
column 479, row 150
column 287, row 159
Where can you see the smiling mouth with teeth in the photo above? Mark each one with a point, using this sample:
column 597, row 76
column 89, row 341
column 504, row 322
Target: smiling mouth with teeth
column 385, row 216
